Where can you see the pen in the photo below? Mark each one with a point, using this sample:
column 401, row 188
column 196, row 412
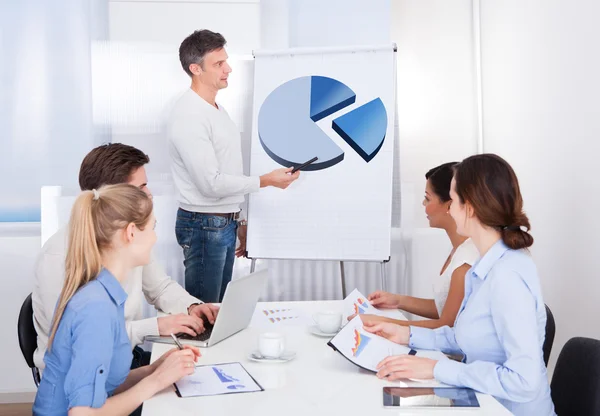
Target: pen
column 305, row 164
column 177, row 341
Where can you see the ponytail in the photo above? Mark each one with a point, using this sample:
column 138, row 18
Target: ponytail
column 83, row 262
column 95, row 218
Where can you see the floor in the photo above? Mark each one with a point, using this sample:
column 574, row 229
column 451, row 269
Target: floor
column 16, row 409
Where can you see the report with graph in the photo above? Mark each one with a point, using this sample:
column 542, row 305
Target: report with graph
column 211, row 380
column 366, row 350
column 357, row 304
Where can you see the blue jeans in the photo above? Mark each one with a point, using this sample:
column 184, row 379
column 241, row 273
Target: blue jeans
column 208, row 243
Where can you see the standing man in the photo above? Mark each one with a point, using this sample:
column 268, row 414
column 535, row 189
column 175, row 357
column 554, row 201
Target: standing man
column 206, row 162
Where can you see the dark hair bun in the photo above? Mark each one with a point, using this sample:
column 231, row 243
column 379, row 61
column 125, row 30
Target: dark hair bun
column 516, row 235
column 516, row 238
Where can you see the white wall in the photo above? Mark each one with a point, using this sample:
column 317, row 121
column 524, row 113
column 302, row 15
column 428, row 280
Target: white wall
column 436, row 95
column 170, row 21
column 318, row 23
column 540, row 99
column 19, row 246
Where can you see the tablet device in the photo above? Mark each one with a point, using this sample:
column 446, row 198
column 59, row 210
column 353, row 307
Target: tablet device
column 429, row 397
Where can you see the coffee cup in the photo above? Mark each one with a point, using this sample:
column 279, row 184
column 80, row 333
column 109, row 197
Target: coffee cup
column 271, row 345
column 328, row 322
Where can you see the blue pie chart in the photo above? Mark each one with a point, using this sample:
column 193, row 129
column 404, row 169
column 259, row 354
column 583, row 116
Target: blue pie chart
column 289, row 134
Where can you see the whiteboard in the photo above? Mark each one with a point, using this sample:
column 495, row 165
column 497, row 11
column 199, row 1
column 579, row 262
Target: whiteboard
column 302, row 106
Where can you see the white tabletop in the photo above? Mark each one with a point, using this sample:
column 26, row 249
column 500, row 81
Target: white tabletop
column 319, row 381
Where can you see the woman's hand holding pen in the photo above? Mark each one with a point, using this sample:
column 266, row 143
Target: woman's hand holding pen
column 163, row 357
column 173, row 365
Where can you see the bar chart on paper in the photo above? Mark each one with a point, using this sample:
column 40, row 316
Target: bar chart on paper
column 278, row 316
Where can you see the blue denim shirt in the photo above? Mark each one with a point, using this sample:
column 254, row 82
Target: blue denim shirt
column 499, row 330
column 91, row 353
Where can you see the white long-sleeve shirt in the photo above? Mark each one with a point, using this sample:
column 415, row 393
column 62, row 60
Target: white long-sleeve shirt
column 206, row 157
column 148, row 281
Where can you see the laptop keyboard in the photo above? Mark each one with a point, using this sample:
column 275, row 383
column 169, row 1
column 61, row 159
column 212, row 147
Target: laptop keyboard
column 200, row 337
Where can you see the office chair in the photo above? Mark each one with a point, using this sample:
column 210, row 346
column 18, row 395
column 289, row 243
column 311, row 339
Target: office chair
column 576, row 381
column 28, row 337
column 550, row 332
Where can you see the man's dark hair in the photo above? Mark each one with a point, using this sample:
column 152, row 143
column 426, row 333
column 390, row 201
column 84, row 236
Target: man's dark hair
column 193, row 48
column 110, row 164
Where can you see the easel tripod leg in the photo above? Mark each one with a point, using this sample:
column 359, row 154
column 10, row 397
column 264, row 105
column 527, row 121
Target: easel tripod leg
column 343, row 276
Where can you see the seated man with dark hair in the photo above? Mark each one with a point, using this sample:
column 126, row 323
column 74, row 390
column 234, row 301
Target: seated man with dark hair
column 106, row 165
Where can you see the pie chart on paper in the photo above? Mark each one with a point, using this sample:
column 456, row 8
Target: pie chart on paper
column 289, row 134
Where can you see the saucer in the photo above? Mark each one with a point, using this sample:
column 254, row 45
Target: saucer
column 285, row 357
column 314, row 329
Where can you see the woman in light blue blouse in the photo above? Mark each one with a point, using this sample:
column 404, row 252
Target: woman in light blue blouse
column 89, row 352
column 500, row 327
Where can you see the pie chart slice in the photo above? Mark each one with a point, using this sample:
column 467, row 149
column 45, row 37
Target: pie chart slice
column 364, row 128
column 328, row 96
column 286, row 121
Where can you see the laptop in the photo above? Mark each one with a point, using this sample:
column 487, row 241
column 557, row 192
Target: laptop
column 237, row 308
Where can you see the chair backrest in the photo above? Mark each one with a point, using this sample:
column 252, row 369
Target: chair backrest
column 576, row 380
column 550, row 332
column 26, row 331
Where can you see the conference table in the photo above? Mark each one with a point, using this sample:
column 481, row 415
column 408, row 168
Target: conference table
column 318, row 381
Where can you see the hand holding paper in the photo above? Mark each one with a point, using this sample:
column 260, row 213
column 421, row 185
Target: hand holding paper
column 384, row 300
column 357, row 304
column 395, row 333
column 367, row 350
column 372, row 319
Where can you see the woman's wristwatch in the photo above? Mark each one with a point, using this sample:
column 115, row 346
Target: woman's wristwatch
column 243, row 223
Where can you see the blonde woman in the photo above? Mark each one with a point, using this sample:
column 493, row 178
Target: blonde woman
column 89, row 352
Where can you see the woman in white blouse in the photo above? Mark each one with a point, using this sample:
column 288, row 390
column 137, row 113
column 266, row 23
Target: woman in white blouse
column 449, row 286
